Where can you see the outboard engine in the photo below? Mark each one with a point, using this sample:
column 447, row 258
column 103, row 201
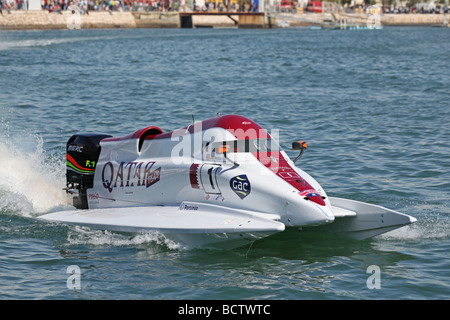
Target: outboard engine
column 82, row 154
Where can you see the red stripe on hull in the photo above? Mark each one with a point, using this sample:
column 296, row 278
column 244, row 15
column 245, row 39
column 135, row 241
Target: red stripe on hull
column 281, row 168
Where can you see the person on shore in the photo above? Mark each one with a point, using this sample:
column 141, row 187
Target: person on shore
column 74, row 8
column 57, row 8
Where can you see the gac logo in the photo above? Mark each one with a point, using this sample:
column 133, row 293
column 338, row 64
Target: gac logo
column 240, row 185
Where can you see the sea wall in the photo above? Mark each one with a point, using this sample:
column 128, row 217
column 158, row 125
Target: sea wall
column 156, row 19
column 415, row 19
column 308, row 19
column 401, row 19
column 19, row 19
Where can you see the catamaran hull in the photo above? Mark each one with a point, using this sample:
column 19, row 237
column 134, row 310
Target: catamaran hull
column 361, row 220
column 202, row 225
column 190, row 224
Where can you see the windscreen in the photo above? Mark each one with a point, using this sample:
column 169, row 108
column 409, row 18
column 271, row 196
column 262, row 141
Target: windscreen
column 250, row 145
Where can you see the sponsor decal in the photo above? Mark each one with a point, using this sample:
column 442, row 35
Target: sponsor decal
column 240, row 185
column 204, row 177
column 130, row 174
column 74, row 166
column 93, row 198
column 75, row 148
column 90, row 164
column 188, row 207
column 312, row 195
column 193, row 176
column 153, row 177
column 219, row 197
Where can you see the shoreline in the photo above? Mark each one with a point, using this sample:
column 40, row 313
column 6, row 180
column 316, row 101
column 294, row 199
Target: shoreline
column 44, row 20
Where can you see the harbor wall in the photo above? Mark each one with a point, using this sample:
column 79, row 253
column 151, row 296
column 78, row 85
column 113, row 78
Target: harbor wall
column 401, row 19
column 19, row 19
column 415, row 19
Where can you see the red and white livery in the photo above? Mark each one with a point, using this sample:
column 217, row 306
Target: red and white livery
column 221, row 182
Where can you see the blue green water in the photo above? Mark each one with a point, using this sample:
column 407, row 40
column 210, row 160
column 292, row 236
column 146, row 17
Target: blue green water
column 374, row 107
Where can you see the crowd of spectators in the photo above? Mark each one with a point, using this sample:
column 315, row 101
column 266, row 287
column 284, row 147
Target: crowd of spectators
column 13, row 4
column 84, row 6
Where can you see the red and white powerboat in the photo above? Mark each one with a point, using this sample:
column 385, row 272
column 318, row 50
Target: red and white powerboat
column 221, row 182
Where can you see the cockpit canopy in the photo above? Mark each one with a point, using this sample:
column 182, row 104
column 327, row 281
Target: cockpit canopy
column 264, row 150
column 249, row 145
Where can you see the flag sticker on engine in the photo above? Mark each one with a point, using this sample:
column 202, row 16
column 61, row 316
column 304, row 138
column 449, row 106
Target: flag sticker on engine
column 240, row 185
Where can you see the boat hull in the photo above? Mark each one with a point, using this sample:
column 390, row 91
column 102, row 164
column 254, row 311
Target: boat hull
column 190, row 224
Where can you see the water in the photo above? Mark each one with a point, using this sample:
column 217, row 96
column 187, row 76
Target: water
column 372, row 105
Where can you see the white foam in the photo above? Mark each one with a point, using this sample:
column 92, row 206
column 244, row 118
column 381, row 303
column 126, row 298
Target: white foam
column 86, row 236
column 423, row 229
column 31, row 181
column 11, row 44
column 19, row 44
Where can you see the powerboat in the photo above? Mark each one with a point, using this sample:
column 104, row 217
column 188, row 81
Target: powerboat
column 222, row 182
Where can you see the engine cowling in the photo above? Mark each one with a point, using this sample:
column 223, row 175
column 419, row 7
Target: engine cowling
column 82, row 152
